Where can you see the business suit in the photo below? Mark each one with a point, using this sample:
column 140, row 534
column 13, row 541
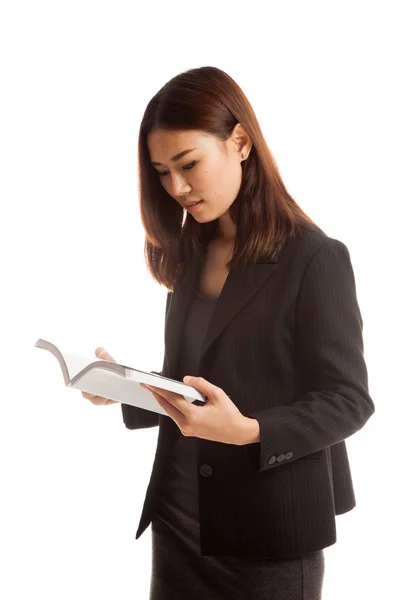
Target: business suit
column 285, row 343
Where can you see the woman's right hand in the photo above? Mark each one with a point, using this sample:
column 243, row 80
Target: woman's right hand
column 103, row 354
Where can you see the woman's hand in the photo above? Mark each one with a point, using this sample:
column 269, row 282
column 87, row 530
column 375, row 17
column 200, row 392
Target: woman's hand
column 219, row 420
column 103, row 354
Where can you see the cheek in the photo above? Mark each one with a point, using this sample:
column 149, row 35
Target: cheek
column 166, row 184
column 211, row 183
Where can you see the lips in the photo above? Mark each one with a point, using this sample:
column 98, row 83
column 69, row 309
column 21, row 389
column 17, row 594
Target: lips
column 189, row 204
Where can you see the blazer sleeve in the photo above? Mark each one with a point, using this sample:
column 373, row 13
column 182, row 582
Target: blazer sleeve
column 139, row 418
column 334, row 401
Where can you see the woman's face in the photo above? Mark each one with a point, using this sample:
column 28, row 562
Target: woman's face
column 210, row 171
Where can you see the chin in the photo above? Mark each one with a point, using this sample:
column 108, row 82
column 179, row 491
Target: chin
column 203, row 218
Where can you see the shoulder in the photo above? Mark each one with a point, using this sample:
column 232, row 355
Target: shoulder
column 307, row 244
column 311, row 255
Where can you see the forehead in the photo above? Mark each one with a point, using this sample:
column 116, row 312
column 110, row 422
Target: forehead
column 163, row 144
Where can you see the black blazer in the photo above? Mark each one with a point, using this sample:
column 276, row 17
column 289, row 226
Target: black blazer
column 285, row 343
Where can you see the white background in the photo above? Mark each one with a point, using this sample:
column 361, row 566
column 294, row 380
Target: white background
column 75, row 79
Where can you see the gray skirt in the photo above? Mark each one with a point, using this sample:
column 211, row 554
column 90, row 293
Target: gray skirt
column 179, row 570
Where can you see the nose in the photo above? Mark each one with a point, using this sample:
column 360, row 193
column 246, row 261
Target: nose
column 179, row 187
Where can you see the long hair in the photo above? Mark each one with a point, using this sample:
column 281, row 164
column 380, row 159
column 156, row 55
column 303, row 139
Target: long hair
column 264, row 213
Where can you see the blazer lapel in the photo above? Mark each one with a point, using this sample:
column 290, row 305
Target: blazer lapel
column 240, row 286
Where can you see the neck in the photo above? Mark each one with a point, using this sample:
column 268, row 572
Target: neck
column 226, row 229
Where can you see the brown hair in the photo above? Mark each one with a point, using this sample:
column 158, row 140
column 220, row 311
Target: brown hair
column 265, row 214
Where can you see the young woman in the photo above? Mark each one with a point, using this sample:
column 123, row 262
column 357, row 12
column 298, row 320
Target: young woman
column 262, row 314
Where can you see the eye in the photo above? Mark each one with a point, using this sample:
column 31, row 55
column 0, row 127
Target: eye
column 185, row 167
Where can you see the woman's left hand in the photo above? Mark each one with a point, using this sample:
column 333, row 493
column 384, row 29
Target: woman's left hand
column 219, row 420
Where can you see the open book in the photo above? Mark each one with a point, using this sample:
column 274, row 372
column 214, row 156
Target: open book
column 118, row 382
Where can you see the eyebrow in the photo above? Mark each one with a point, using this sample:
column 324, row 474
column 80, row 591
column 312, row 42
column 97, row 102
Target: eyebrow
column 177, row 156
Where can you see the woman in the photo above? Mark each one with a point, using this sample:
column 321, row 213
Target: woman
column 262, row 314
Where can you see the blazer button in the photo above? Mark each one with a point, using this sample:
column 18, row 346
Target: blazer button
column 272, row 460
column 281, row 457
column 288, row 455
column 206, row 470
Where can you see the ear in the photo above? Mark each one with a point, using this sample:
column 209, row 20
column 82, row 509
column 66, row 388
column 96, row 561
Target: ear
column 241, row 141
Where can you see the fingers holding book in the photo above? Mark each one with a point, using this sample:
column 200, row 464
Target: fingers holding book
column 99, row 400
